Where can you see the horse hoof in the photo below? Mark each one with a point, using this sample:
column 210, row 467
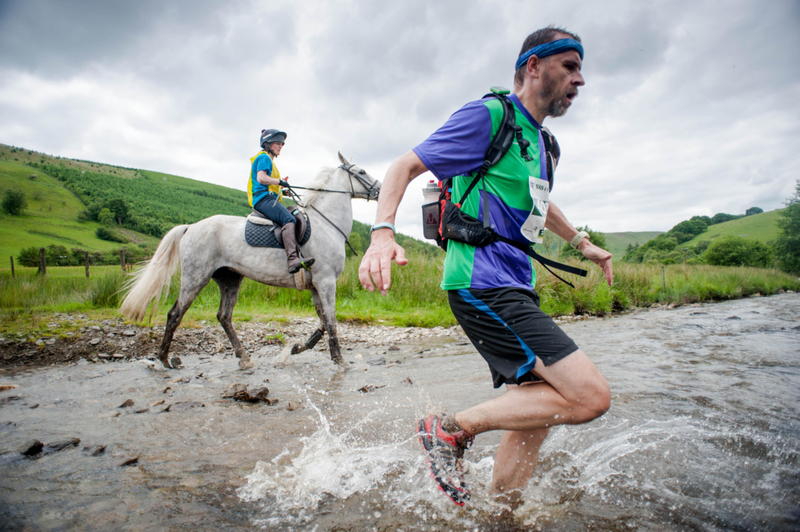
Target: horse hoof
column 245, row 364
column 176, row 362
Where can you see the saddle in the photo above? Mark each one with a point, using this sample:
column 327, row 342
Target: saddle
column 260, row 231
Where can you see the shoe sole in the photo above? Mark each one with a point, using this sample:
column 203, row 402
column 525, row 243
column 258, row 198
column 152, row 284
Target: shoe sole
column 452, row 493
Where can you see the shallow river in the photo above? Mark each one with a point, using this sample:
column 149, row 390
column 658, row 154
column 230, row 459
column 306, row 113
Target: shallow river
column 703, row 434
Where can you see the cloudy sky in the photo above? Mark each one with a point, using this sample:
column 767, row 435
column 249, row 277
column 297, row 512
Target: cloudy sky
column 690, row 107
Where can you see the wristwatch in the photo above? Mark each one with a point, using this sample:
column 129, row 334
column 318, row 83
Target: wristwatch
column 577, row 239
column 384, row 225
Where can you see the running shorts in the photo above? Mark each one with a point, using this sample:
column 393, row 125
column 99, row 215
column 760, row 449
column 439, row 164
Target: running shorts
column 510, row 331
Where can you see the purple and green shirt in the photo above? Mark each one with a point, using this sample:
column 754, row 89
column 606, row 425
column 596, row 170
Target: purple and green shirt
column 457, row 150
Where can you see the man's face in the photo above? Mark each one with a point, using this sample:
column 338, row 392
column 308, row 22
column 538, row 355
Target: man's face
column 275, row 148
column 561, row 77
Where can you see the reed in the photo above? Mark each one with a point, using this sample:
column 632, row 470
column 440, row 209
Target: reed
column 414, row 300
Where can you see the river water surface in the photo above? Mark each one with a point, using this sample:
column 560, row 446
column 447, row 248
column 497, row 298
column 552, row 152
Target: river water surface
column 703, row 434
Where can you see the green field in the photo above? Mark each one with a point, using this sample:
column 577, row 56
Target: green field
column 618, row 242
column 50, row 218
column 762, row 227
column 28, row 300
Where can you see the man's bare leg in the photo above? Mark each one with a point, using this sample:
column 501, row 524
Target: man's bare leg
column 515, row 459
column 574, row 392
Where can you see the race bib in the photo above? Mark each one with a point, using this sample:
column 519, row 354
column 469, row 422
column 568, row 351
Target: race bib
column 534, row 225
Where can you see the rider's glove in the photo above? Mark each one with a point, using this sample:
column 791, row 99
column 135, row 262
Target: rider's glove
column 283, row 183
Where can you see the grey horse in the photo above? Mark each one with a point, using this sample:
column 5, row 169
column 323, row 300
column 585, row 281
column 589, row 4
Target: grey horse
column 214, row 248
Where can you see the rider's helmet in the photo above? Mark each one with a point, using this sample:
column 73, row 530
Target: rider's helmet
column 271, row 135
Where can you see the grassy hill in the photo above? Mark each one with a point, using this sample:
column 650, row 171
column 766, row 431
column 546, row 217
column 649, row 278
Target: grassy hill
column 761, row 227
column 618, row 242
column 50, row 218
column 64, row 188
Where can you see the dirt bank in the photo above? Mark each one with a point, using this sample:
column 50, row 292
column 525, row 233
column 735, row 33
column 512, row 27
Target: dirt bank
column 111, row 341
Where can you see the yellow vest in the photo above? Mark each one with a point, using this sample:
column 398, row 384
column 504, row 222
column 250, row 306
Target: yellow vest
column 275, row 175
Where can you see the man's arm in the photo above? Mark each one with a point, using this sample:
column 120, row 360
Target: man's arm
column 376, row 266
column 557, row 223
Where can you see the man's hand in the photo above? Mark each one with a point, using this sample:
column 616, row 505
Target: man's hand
column 377, row 262
column 283, row 183
column 599, row 256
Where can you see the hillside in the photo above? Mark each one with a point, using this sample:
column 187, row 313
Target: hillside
column 761, row 227
column 66, row 190
column 618, row 242
column 51, row 217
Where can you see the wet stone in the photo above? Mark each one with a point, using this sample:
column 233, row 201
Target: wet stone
column 141, row 410
column 128, row 332
column 61, row 445
column 31, row 448
column 94, row 450
column 126, row 404
column 370, row 388
column 9, row 399
column 378, row 361
column 733, row 318
column 187, row 405
column 94, row 341
column 129, row 462
column 6, row 387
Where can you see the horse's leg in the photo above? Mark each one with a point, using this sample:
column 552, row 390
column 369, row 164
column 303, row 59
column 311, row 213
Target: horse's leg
column 316, row 336
column 185, row 297
column 326, row 294
column 229, row 283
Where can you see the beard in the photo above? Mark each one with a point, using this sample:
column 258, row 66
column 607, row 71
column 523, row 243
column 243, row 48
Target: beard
column 557, row 104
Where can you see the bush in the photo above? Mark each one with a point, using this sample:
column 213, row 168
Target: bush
column 103, row 233
column 29, row 257
column 737, row 251
column 753, row 210
column 787, row 245
column 14, row 201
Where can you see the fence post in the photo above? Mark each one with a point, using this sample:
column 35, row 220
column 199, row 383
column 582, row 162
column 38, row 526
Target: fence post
column 12, row 267
column 86, row 262
column 122, row 258
column 42, row 262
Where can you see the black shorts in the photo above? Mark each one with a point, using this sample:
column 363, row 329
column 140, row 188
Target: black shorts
column 510, row 331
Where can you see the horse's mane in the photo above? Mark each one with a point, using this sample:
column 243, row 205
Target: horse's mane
column 320, row 181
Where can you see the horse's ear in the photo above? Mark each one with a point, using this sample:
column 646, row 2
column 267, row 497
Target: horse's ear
column 342, row 159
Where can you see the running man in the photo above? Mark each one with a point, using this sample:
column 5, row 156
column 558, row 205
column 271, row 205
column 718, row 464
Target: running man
column 550, row 380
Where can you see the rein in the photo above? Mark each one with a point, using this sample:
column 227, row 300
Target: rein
column 372, row 194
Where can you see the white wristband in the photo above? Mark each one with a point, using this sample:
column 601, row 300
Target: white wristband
column 577, row 239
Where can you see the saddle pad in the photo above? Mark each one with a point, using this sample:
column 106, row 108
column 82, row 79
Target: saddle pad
column 262, row 236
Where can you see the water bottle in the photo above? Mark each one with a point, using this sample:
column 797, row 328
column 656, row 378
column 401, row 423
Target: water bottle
column 430, row 210
column 431, row 191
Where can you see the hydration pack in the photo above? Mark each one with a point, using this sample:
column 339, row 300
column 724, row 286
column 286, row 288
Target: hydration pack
column 456, row 225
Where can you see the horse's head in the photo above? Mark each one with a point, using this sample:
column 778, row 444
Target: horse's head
column 362, row 185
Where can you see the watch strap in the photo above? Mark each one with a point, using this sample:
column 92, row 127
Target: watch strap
column 577, row 239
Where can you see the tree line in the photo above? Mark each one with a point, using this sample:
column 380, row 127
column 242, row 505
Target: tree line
column 784, row 252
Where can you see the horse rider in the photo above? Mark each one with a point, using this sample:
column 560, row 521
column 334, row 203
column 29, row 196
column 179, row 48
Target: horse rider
column 264, row 192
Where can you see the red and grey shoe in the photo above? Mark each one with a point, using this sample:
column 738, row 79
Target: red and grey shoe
column 445, row 450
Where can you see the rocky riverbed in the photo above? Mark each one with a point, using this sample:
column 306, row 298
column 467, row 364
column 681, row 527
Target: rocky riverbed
column 69, row 338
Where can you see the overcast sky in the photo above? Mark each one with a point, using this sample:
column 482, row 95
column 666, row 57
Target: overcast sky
column 690, row 107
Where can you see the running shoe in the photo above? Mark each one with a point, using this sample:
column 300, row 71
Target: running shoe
column 445, row 450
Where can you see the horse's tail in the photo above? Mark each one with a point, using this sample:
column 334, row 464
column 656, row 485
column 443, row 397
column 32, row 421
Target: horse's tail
column 152, row 281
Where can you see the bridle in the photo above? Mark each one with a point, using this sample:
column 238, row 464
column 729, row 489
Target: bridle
column 361, row 176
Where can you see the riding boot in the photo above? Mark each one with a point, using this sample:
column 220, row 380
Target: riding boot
column 295, row 260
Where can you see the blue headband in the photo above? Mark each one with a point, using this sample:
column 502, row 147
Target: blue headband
column 550, row 48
